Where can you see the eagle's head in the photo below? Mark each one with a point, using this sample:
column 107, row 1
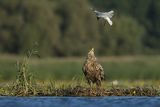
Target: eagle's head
column 91, row 54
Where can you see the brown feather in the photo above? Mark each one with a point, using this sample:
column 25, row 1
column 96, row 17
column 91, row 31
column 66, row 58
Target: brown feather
column 92, row 70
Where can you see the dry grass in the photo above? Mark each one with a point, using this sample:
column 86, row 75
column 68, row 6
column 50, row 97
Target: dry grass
column 81, row 88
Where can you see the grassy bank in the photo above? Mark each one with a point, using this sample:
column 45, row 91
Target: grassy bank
column 116, row 68
column 81, row 88
column 125, row 76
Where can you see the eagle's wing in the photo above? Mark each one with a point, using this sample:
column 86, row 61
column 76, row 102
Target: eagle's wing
column 87, row 68
column 99, row 69
column 84, row 69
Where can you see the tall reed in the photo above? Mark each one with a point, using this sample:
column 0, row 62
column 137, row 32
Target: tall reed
column 24, row 84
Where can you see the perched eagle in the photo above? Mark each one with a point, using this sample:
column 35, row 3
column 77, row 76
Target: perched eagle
column 92, row 70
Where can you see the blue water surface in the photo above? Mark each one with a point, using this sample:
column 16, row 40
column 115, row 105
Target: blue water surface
column 79, row 101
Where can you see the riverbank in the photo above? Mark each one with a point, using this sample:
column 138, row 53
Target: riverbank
column 80, row 88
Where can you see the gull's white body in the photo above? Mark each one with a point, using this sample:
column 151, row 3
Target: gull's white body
column 105, row 15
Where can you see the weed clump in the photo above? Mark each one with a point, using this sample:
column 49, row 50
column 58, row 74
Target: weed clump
column 24, row 84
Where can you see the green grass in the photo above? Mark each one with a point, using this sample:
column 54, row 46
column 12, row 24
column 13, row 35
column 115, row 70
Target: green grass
column 116, row 68
column 133, row 76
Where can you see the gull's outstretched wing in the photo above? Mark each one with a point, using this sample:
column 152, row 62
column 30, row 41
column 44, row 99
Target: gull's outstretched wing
column 110, row 13
column 109, row 20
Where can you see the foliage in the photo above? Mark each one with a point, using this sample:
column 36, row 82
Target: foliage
column 24, row 81
column 125, row 37
column 79, row 30
column 70, row 28
column 26, row 22
column 116, row 68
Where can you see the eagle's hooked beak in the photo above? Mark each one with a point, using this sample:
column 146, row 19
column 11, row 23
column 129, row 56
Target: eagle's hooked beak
column 92, row 49
column 91, row 52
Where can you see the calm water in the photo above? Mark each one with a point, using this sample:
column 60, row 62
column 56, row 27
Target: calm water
column 79, row 101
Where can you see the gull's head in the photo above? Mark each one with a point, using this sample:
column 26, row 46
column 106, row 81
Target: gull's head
column 91, row 8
